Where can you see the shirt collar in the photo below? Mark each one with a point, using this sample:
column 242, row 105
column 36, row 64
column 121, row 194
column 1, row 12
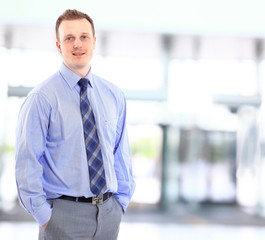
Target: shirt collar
column 72, row 78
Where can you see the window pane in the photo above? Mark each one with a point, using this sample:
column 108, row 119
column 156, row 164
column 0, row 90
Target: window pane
column 130, row 73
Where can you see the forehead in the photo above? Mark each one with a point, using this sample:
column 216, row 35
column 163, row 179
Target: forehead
column 75, row 27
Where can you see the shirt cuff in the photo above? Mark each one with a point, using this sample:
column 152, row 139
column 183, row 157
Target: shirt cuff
column 123, row 200
column 43, row 214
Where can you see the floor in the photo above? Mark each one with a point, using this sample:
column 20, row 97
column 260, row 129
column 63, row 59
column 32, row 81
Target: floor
column 153, row 231
column 182, row 223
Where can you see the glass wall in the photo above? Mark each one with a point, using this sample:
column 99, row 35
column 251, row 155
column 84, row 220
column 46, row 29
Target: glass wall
column 217, row 147
column 207, row 162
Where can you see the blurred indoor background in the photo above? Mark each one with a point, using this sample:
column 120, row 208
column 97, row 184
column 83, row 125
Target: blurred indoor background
column 193, row 73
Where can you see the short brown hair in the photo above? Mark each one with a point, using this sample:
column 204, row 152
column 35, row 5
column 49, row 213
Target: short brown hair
column 73, row 14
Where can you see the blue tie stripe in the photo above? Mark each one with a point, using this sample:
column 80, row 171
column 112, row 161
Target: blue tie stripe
column 100, row 182
column 96, row 166
column 93, row 151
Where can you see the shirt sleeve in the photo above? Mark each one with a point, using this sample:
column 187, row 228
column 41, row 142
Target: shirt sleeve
column 123, row 161
column 32, row 128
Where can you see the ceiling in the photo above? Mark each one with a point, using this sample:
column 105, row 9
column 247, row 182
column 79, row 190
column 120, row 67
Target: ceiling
column 226, row 17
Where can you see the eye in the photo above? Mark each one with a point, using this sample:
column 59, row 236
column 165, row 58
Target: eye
column 84, row 37
column 69, row 38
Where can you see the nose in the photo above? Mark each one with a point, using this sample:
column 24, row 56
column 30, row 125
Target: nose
column 77, row 43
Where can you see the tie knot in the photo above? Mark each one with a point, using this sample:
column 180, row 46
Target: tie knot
column 83, row 82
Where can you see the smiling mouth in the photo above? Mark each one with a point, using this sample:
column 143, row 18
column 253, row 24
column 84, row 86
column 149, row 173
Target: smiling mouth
column 78, row 53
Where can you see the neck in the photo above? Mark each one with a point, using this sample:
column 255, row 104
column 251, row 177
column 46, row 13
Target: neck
column 81, row 72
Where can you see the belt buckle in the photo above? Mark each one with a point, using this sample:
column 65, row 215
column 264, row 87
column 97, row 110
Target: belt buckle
column 96, row 200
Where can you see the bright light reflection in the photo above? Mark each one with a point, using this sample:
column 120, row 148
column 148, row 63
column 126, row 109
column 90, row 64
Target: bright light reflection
column 130, row 73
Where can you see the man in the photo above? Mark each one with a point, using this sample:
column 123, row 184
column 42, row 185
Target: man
column 73, row 163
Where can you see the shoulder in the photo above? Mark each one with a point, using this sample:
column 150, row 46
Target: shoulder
column 43, row 95
column 102, row 83
column 48, row 88
column 107, row 86
column 47, row 85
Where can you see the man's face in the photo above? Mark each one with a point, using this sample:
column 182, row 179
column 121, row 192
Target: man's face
column 76, row 44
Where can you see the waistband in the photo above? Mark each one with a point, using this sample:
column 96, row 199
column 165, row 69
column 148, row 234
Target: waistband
column 94, row 200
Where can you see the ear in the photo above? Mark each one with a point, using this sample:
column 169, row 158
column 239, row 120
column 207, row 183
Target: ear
column 58, row 45
column 94, row 43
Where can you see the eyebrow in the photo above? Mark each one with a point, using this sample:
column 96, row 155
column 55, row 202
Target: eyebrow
column 68, row 35
column 82, row 33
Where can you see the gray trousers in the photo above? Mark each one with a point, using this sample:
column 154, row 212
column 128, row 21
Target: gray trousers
column 83, row 221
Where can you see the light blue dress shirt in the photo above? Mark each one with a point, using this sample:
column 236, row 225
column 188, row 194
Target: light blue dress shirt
column 50, row 151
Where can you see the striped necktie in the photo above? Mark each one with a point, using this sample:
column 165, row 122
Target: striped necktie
column 93, row 150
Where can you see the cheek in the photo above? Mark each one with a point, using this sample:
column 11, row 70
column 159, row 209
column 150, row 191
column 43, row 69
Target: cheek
column 65, row 46
column 65, row 51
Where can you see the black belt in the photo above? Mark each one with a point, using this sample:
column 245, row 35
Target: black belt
column 94, row 200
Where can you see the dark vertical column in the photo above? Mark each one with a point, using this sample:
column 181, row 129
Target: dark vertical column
column 164, row 165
